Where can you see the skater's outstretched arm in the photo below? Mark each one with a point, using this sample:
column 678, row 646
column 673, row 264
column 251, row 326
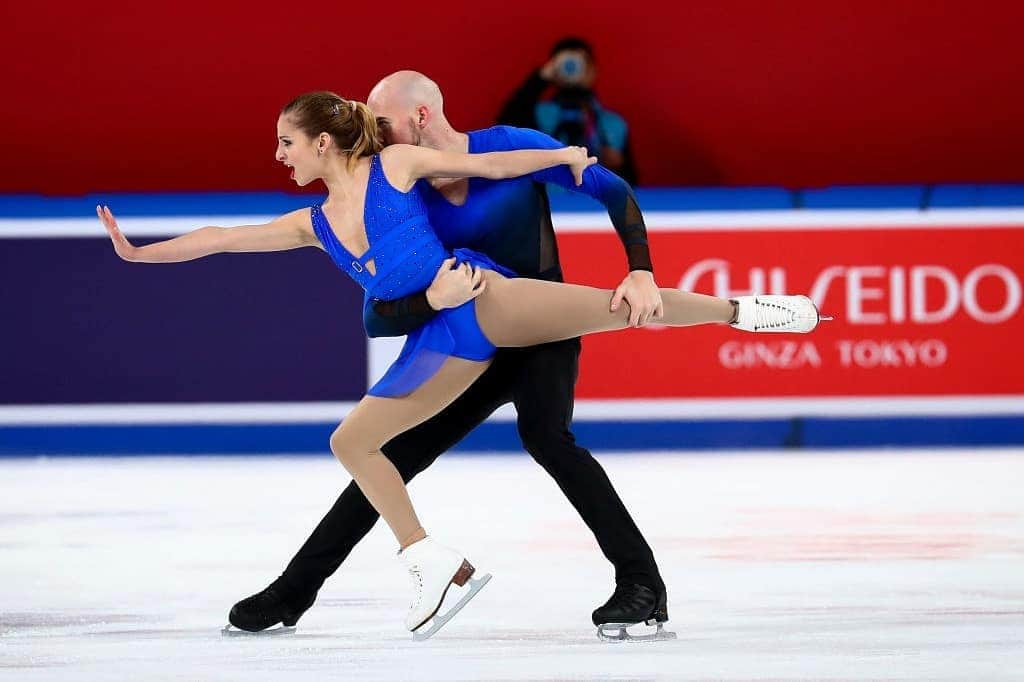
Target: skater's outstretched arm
column 290, row 231
column 405, row 164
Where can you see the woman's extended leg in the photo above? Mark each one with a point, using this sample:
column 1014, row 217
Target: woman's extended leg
column 374, row 421
column 527, row 312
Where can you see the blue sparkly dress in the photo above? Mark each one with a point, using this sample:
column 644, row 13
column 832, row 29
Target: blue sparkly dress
column 406, row 255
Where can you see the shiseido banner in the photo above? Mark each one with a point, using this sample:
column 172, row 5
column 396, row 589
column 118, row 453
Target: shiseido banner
column 927, row 309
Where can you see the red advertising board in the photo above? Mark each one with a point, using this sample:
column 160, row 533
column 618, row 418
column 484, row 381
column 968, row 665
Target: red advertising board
column 921, row 311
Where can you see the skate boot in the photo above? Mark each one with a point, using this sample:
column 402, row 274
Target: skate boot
column 256, row 615
column 632, row 605
column 776, row 314
column 433, row 569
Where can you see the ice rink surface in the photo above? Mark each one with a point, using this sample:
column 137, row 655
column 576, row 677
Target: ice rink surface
column 887, row 565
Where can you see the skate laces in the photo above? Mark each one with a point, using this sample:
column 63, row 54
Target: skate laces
column 770, row 315
column 416, row 578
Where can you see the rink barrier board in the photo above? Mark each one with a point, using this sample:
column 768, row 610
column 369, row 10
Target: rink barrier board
column 697, row 211
column 502, row 437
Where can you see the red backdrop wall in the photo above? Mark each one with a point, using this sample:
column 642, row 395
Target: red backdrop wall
column 149, row 96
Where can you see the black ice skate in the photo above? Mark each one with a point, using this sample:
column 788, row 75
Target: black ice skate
column 632, row 605
column 258, row 614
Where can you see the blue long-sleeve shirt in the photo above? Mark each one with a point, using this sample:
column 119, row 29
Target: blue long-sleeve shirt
column 510, row 221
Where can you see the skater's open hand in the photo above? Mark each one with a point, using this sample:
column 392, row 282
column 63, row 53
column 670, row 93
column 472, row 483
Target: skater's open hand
column 578, row 161
column 454, row 286
column 122, row 246
column 639, row 290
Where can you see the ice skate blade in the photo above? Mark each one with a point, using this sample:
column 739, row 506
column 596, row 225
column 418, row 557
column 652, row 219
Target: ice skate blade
column 439, row 620
column 617, row 632
column 232, row 631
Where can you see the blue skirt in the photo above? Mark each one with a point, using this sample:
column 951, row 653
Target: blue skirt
column 452, row 333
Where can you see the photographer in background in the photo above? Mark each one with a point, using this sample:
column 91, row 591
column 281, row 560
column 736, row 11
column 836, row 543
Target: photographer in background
column 558, row 99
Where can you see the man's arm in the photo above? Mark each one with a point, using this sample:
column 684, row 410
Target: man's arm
column 452, row 286
column 601, row 184
column 638, row 288
column 398, row 317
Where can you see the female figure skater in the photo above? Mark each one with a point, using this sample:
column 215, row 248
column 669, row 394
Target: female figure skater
column 376, row 230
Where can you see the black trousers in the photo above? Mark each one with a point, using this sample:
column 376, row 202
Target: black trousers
column 540, row 381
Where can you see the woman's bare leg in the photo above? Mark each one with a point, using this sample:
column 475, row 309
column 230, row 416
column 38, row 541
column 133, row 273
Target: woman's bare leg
column 526, row 312
column 374, row 421
column 511, row 312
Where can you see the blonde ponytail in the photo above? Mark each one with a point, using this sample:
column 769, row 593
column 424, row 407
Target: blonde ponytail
column 351, row 124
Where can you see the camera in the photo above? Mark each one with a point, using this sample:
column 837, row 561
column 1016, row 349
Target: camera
column 570, row 68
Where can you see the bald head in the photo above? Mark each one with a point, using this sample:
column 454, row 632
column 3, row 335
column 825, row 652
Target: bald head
column 406, row 88
column 411, row 102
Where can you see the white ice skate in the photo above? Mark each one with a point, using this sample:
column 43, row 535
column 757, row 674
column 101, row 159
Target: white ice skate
column 769, row 313
column 433, row 569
